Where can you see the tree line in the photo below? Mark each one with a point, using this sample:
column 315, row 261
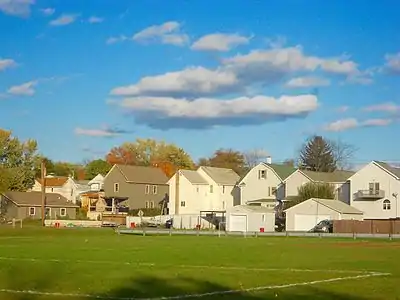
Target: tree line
column 20, row 160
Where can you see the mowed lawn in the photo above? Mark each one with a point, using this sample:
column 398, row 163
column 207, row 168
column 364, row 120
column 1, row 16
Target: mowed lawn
column 37, row 263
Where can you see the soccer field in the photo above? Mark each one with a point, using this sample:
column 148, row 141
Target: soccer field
column 37, row 263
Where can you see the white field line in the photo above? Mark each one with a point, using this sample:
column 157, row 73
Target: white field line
column 200, row 295
column 233, row 268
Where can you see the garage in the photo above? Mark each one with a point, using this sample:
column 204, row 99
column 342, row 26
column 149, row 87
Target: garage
column 250, row 218
column 305, row 215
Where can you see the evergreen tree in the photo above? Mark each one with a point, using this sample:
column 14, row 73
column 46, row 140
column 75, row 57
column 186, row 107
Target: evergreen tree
column 317, row 155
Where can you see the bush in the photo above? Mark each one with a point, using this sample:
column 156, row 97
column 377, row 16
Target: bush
column 312, row 190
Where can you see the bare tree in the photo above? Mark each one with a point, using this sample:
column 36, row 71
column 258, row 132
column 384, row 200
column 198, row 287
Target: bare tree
column 343, row 153
column 254, row 157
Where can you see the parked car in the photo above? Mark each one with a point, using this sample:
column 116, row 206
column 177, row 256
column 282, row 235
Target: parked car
column 323, row 226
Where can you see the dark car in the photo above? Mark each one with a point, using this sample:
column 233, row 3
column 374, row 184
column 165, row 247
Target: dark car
column 169, row 223
column 323, row 226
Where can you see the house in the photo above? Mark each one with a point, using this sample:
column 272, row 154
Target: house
column 136, row 186
column 375, row 190
column 22, row 205
column 54, row 184
column 96, row 184
column 206, row 189
column 305, row 215
column 338, row 179
column 264, row 184
column 250, row 218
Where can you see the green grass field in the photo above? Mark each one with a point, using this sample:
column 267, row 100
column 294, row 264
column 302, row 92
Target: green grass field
column 37, row 263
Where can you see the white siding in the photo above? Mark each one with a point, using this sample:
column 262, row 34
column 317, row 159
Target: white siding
column 256, row 188
column 373, row 209
column 293, row 182
column 37, row 187
column 255, row 220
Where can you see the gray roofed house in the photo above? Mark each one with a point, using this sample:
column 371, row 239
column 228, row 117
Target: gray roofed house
column 329, row 177
column 21, row 205
column 193, row 176
column 145, row 187
column 221, row 176
column 338, row 206
column 391, row 169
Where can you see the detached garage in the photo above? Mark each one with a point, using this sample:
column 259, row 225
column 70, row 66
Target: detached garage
column 250, row 218
column 304, row 216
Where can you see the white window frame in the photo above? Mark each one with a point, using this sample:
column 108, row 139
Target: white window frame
column 45, row 209
column 151, row 206
column 147, row 189
column 147, row 204
column 260, row 174
column 183, row 204
column 116, row 187
column 211, row 189
column 61, row 210
column 34, row 211
column 223, row 189
column 155, row 189
column 387, row 205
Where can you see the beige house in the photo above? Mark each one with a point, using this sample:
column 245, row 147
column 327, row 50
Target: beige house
column 305, row 215
column 264, row 184
column 339, row 180
column 375, row 190
column 207, row 188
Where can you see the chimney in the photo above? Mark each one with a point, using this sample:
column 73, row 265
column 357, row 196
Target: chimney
column 269, row 160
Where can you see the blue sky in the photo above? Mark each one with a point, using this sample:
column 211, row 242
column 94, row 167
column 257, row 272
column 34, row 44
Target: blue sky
column 84, row 76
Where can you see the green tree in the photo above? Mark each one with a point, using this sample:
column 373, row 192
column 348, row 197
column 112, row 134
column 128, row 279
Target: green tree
column 98, row 166
column 313, row 190
column 19, row 159
column 317, row 155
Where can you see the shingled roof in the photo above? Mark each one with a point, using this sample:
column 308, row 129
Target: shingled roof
column 283, row 171
column 221, row 175
column 391, row 169
column 193, row 176
column 142, row 174
column 336, row 176
column 35, row 199
column 53, row 181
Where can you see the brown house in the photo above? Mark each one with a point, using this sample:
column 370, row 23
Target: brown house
column 145, row 187
column 22, row 205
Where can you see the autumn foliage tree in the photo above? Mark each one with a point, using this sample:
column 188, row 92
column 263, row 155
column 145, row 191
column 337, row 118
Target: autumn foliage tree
column 226, row 158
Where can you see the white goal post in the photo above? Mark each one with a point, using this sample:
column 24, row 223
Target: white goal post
column 14, row 222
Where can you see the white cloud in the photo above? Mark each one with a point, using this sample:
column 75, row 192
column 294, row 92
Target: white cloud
column 6, row 64
column 219, row 42
column 393, row 63
column 351, row 123
column 19, row 8
column 48, row 11
column 192, row 81
column 25, row 89
column 166, row 33
column 167, row 112
column 64, row 20
column 95, row 19
column 105, row 131
column 114, row 40
column 343, row 108
column 310, row 81
column 384, row 107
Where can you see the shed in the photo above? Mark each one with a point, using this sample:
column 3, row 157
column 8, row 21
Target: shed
column 250, row 218
column 305, row 215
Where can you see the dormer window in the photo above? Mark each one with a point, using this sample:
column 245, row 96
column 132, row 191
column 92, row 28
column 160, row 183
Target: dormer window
column 262, row 174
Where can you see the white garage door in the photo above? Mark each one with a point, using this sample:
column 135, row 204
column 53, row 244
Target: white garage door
column 306, row 222
column 238, row 223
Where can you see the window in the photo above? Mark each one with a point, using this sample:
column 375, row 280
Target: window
column 32, row 211
column 63, row 212
column 52, row 190
column 386, row 205
column 223, row 189
column 47, row 212
column 116, row 187
column 151, row 204
column 147, row 189
column 269, row 191
column 223, row 204
column 263, row 218
column 273, row 190
column 374, row 188
column 197, row 189
column 211, row 188
column 262, row 174
column 183, row 204
column 154, row 189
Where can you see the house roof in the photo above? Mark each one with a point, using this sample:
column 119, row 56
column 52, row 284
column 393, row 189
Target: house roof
column 283, row 171
column 394, row 170
column 338, row 206
column 142, row 174
column 53, row 181
column 336, row 176
column 35, row 199
column 194, row 177
column 222, row 175
column 252, row 208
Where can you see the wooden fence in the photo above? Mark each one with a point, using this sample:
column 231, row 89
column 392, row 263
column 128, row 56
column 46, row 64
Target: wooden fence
column 367, row 226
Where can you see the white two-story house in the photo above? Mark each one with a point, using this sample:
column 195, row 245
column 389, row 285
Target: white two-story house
column 375, row 190
column 206, row 189
column 264, row 184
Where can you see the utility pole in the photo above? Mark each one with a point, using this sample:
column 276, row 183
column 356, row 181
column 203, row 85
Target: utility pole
column 43, row 171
